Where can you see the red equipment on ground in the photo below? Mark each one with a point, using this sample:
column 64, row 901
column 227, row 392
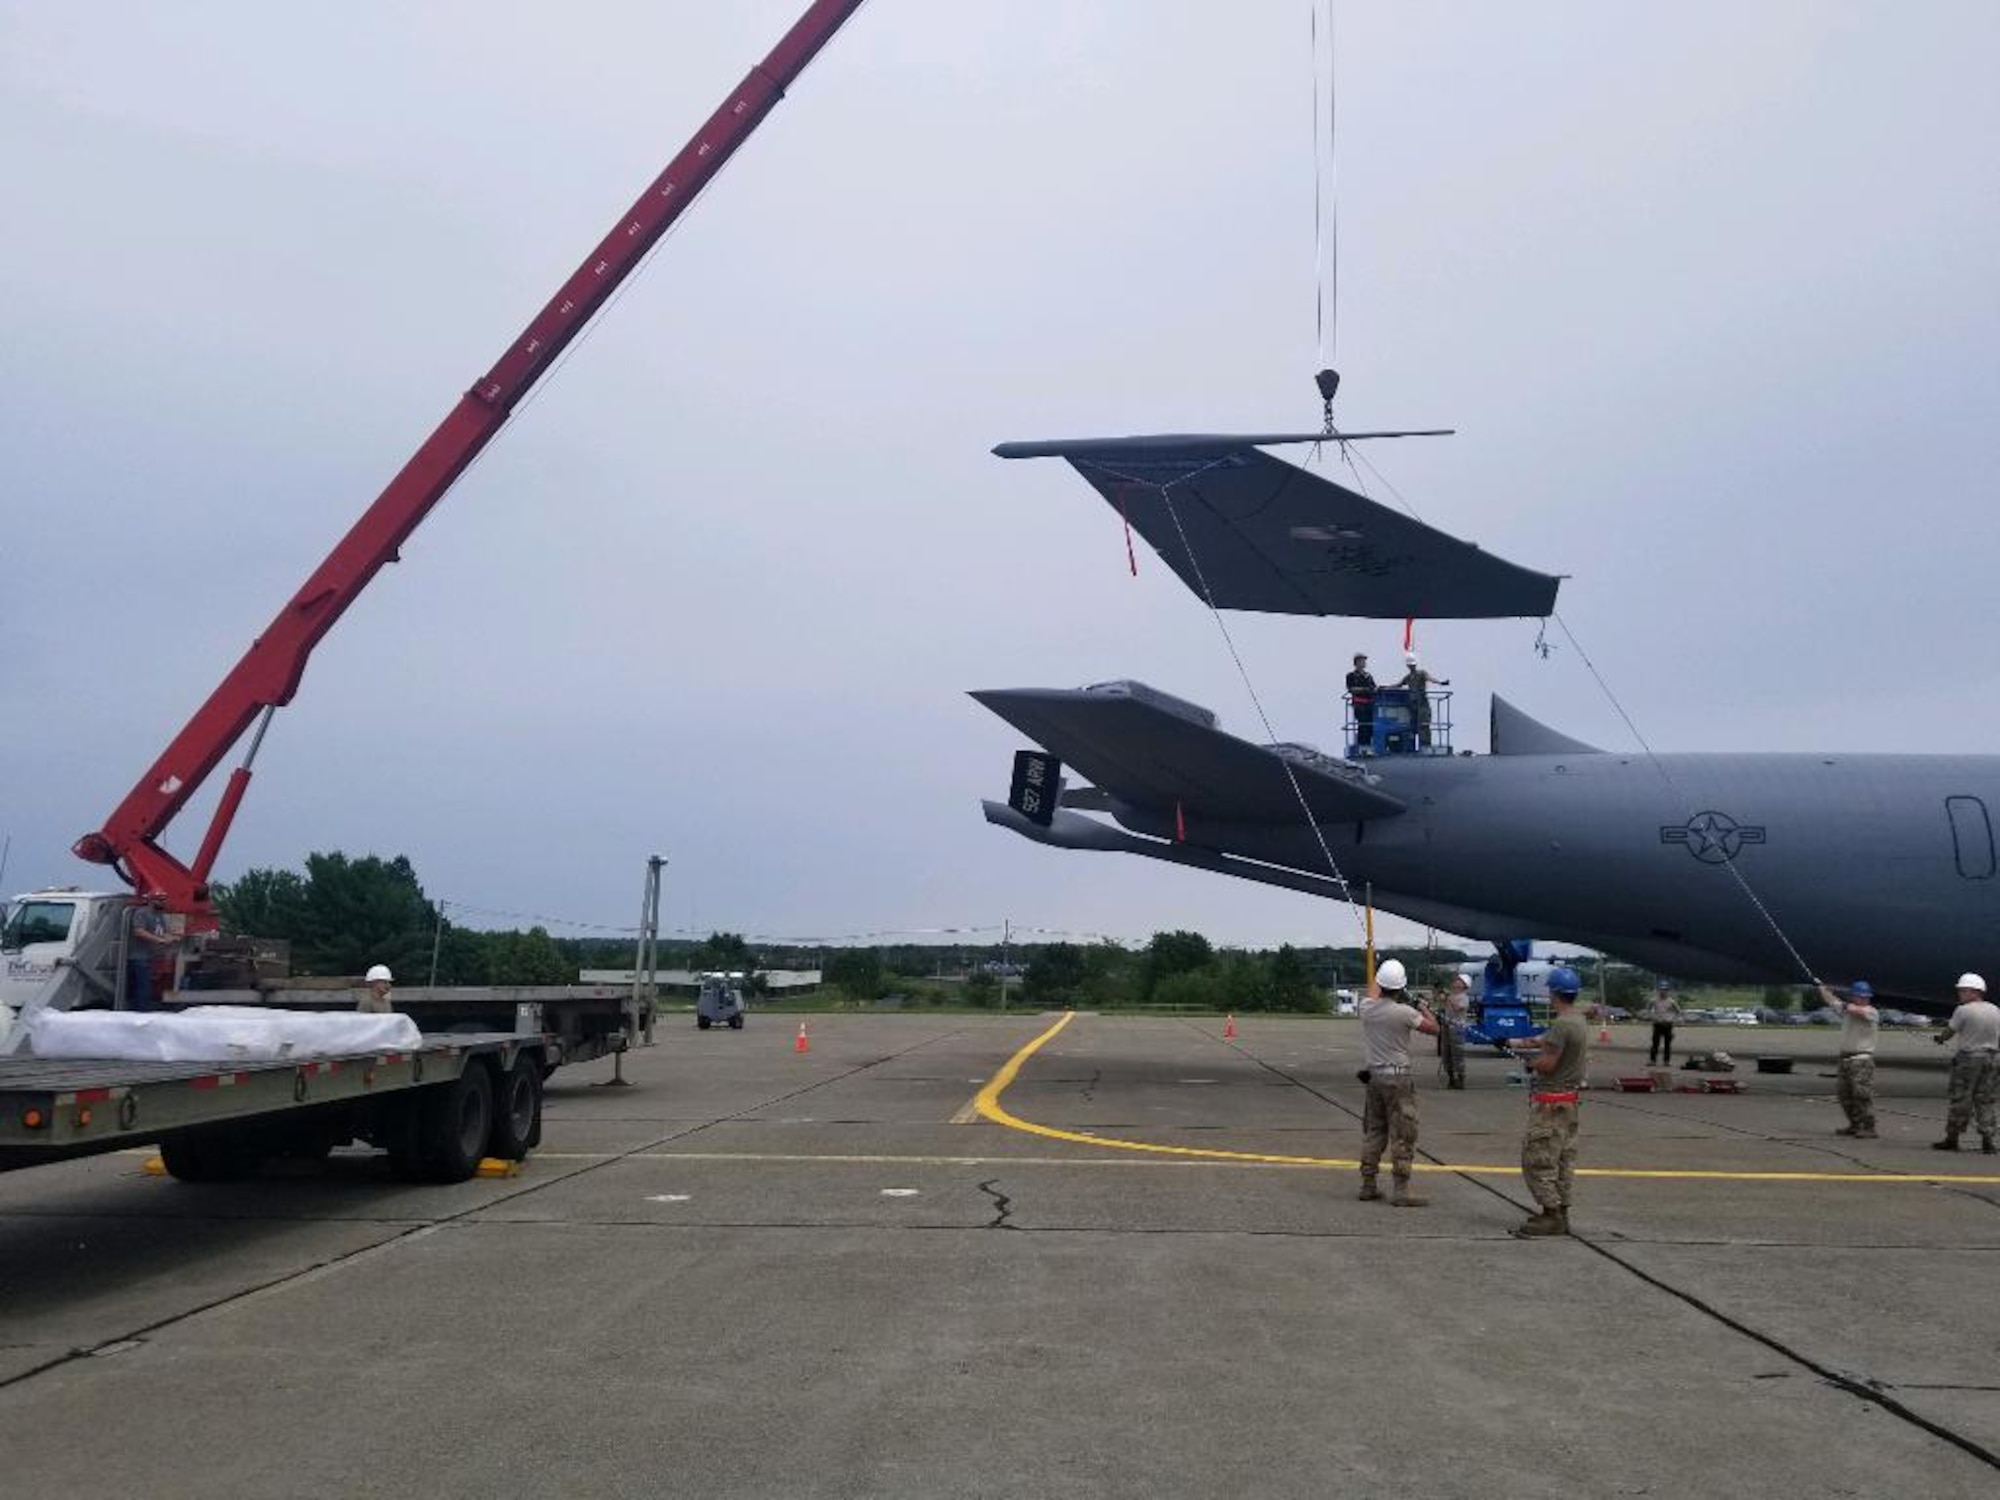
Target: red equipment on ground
column 268, row 675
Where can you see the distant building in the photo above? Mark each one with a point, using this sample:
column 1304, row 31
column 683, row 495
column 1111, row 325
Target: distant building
column 677, row 981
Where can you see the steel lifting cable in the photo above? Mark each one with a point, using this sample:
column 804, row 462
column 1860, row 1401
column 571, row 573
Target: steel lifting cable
column 1682, row 798
column 1243, row 671
column 1326, row 199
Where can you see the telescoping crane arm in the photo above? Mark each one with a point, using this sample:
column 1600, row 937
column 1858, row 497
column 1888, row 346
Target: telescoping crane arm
column 269, row 673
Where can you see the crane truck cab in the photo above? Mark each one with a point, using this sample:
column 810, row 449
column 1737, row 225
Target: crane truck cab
column 720, row 1001
column 61, row 949
column 65, row 949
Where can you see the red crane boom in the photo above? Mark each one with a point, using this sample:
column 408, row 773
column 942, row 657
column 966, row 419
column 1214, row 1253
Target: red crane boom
column 269, row 672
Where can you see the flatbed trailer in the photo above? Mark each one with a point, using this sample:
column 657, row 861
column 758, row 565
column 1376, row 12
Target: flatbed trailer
column 575, row 1022
column 438, row 1109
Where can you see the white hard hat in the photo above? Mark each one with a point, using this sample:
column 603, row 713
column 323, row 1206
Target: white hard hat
column 1391, row 976
column 1458, row 979
column 1970, row 982
column 381, row 972
column 1410, row 658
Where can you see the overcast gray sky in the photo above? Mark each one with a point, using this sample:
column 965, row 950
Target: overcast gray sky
column 1708, row 289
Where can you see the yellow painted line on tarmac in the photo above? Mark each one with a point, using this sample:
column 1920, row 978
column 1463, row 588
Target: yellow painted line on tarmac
column 799, row 1158
column 989, row 1106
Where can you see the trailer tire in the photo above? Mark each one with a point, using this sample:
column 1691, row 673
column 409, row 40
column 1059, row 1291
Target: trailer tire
column 517, row 1111
column 210, row 1156
column 702, row 1022
column 735, row 1023
column 453, row 1122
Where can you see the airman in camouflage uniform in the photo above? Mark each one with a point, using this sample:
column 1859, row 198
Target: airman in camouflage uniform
column 1389, row 1118
column 1857, row 1057
column 1451, row 1031
column 1548, row 1145
column 1975, row 1067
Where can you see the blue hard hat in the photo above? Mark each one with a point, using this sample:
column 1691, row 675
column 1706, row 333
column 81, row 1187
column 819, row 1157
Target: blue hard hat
column 1861, row 989
column 1564, row 982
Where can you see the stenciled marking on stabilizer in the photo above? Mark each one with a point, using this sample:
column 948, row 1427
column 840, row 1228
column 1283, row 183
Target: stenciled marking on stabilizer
column 989, row 1106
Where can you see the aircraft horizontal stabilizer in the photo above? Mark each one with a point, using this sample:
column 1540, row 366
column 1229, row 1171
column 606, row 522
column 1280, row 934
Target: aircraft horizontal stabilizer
column 1068, row 831
column 1255, row 533
column 1138, row 751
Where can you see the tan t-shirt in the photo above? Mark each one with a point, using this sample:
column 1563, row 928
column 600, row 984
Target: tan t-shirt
column 1857, row 1032
column 1569, row 1033
column 1976, row 1024
column 1385, row 1034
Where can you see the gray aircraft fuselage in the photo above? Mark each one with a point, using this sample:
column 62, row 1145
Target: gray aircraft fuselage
column 1875, row 866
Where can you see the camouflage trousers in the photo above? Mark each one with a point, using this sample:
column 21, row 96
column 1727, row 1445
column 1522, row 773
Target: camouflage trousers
column 1389, row 1120
column 1857, row 1089
column 1451, row 1048
column 1548, row 1153
column 1975, row 1081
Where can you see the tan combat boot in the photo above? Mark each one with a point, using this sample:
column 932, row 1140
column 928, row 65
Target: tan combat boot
column 1400, row 1195
column 1369, row 1192
column 1546, row 1222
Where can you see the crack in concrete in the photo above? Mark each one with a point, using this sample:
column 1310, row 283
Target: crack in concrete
column 1003, row 1206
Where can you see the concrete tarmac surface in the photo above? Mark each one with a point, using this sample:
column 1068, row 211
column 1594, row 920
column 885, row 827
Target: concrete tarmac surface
column 757, row 1273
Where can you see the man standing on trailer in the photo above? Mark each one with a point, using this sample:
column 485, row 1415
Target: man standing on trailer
column 1857, row 1057
column 1975, row 1067
column 149, row 939
column 1389, row 1119
column 1548, row 1145
column 375, row 995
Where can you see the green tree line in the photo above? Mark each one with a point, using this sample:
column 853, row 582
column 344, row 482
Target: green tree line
column 341, row 913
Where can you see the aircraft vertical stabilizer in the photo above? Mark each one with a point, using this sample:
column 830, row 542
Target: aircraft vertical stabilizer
column 1514, row 733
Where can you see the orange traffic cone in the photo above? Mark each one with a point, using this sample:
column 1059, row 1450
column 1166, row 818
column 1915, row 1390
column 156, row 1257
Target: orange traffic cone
column 1229, row 1028
column 802, row 1045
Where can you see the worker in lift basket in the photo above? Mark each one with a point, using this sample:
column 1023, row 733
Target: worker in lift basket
column 375, row 998
column 1418, row 682
column 1361, row 697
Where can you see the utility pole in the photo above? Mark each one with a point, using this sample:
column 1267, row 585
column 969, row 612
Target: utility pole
column 1006, row 957
column 646, row 958
column 437, row 942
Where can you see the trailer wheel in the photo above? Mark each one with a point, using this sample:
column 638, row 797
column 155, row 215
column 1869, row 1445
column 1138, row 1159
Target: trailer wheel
column 735, row 1023
column 454, row 1121
column 209, row 1156
column 702, row 1022
column 517, row 1111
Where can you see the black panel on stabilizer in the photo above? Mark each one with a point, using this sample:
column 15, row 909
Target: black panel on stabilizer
column 1256, row 533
